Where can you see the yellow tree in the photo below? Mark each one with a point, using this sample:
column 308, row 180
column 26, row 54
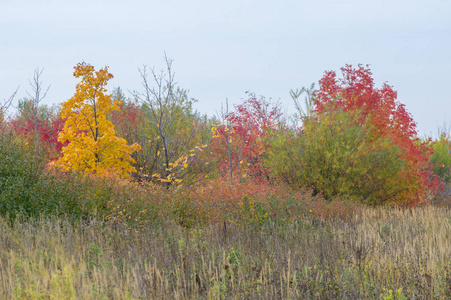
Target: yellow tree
column 93, row 146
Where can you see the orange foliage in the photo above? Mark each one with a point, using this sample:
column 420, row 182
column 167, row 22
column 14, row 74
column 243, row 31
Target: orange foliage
column 387, row 118
column 219, row 202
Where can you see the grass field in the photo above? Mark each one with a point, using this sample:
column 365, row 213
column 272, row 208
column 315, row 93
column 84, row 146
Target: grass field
column 376, row 254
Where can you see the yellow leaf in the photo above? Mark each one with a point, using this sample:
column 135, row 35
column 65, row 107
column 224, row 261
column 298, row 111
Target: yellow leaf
column 93, row 149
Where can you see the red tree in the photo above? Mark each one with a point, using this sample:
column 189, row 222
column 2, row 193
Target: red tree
column 49, row 125
column 388, row 118
column 239, row 142
column 126, row 120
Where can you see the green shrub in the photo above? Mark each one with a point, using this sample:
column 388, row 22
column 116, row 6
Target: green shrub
column 441, row 159
column 28, row 189
column 20, row 172
column 334, row 156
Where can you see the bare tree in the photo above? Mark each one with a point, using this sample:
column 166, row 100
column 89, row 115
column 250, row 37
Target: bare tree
column 36, row 96
column 167, row 105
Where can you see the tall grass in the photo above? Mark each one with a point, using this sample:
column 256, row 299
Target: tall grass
column 376, row 254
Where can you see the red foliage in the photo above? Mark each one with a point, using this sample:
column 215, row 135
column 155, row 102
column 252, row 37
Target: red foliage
column 387, row 118
column 127, row 119
column 220, row 201
column 245, row 128
column 48, row 131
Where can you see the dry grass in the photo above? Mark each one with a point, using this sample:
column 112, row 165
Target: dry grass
column 377, row 254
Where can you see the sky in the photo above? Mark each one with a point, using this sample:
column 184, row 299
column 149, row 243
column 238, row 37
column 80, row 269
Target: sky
column 221, row 49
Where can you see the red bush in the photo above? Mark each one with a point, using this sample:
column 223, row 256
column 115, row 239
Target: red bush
column 387, row 118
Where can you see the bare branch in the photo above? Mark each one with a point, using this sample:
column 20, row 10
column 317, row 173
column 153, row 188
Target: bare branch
column 167, row 106
column 36, row 86
column 4, row 106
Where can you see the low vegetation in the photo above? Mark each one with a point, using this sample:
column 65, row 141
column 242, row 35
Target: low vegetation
column 375, row 254
column 342, row 201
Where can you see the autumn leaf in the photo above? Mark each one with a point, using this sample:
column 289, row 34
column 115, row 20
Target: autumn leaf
column 93, row 146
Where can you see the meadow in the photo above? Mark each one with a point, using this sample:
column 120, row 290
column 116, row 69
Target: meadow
column 377, row 253
column 109, row 197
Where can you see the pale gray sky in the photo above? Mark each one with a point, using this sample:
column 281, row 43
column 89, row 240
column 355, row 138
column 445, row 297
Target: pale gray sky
column 223, row 48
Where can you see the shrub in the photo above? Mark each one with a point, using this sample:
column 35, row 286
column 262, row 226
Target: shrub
column 20, row 172
column 239, row 143
column 441, row 159
column 30, row 189
column 383, row 117
column 250, row 203
column 334, row 156
column 47, row 124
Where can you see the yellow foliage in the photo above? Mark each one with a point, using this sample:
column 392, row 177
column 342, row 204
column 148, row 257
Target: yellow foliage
column 93, row 146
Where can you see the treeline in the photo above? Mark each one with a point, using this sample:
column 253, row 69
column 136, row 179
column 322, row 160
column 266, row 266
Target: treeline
column 347, row 138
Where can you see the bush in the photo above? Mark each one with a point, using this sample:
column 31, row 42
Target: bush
column 20, row 173
column 250, row 203
column 28, row 188
column 441, row 159
column 334, row 156
column 384, row 117
column 31, row 189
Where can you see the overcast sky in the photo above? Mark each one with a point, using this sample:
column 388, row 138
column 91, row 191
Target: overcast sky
column 221, row 49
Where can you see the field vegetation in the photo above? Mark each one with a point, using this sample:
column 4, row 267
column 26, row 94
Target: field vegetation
column 141, row 197
column 374, row 254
